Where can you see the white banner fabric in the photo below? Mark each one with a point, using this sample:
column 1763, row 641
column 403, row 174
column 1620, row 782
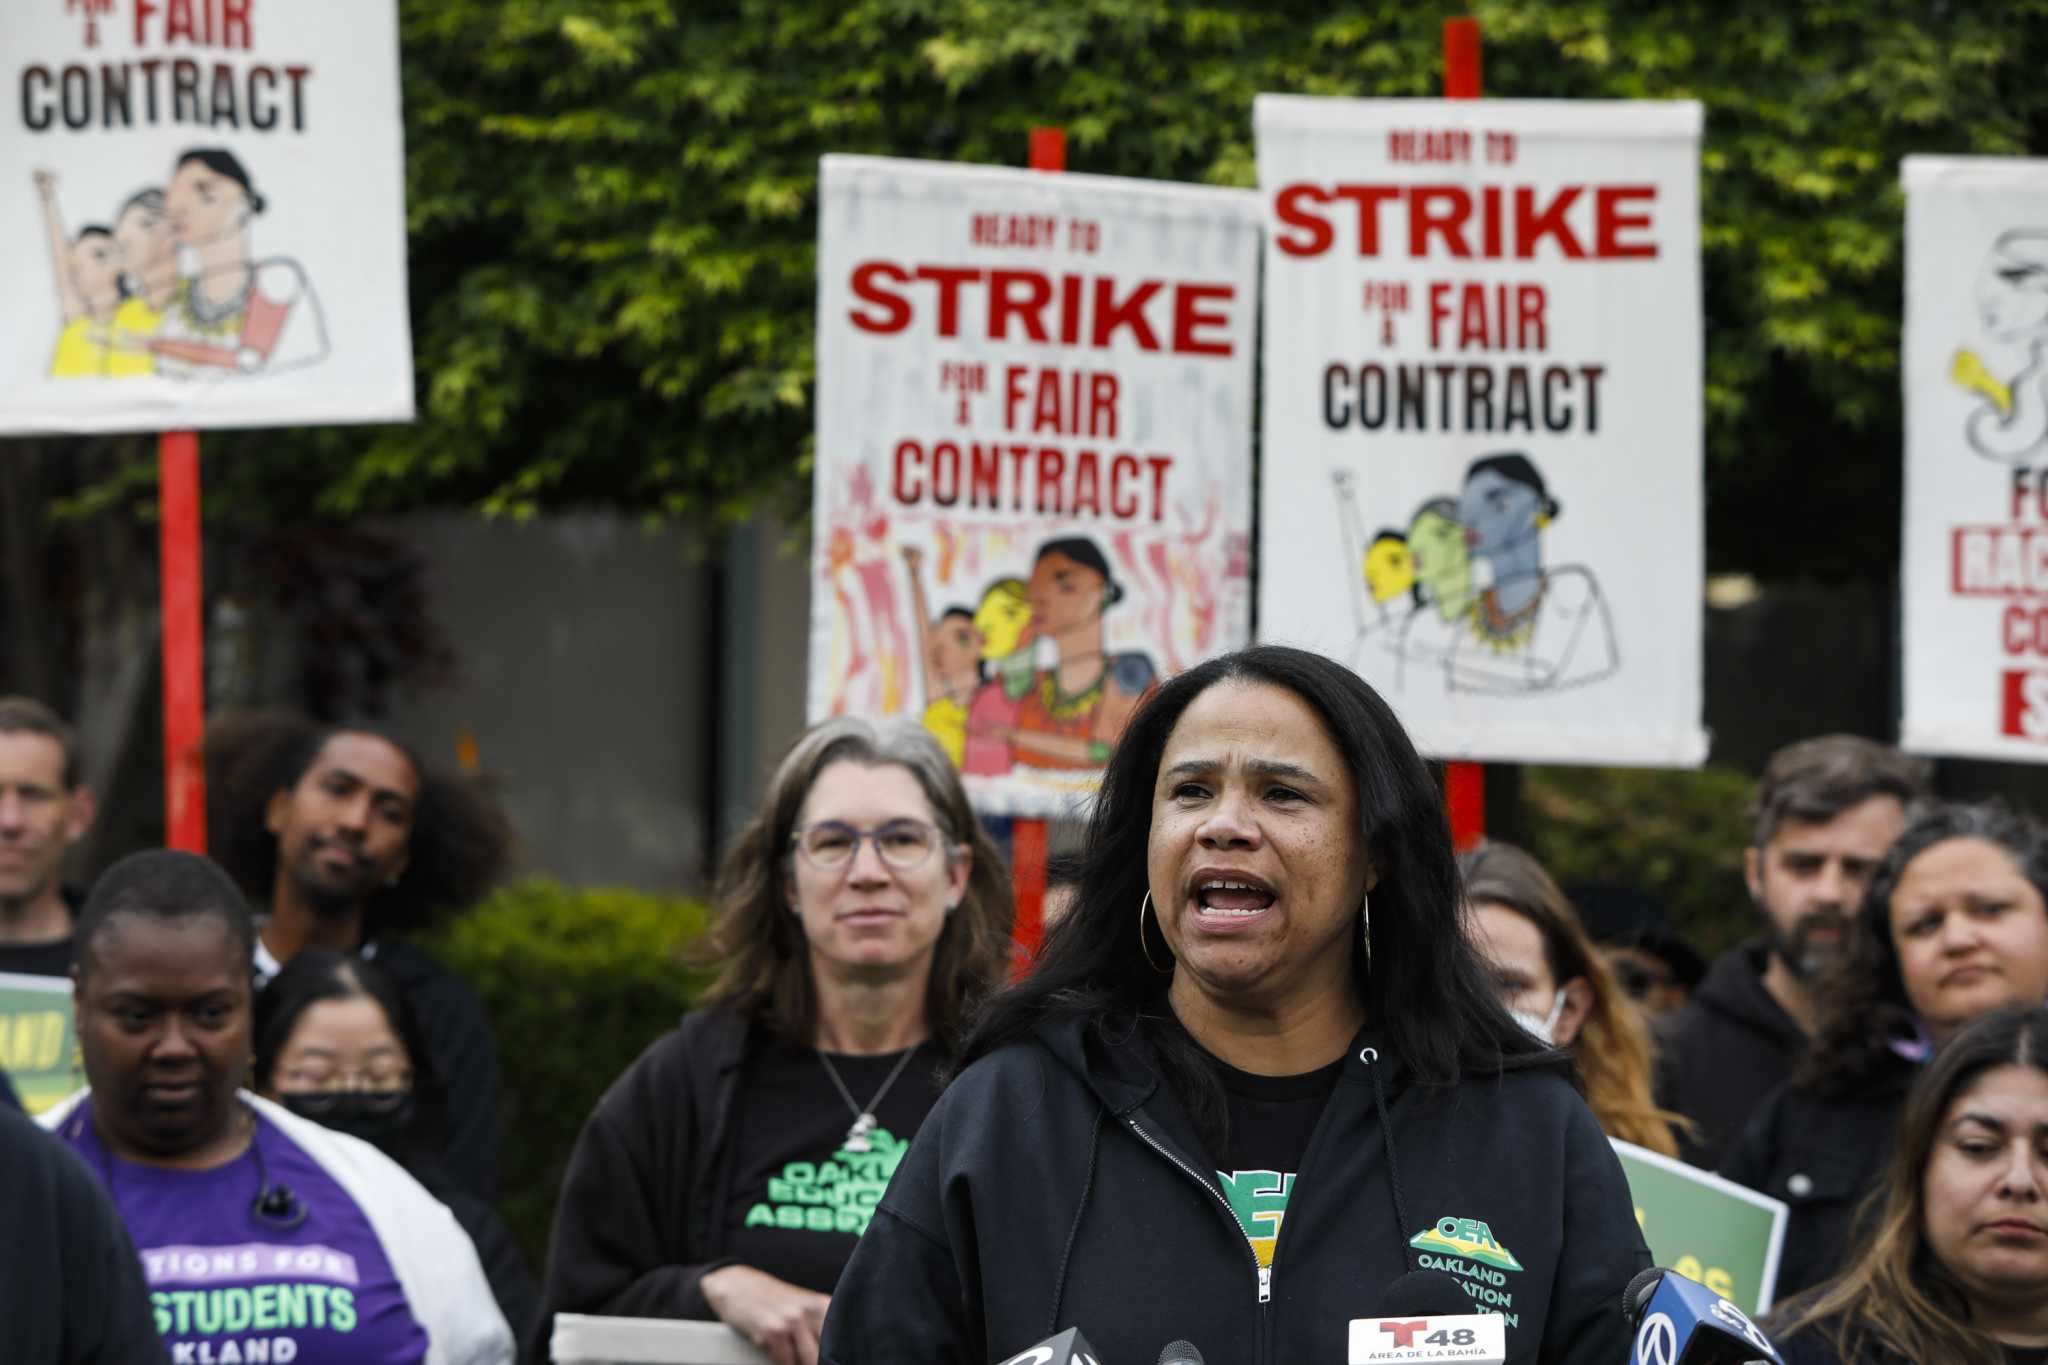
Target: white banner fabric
column 1481, row 468
column 202, row 215
column 1973, row 566
column 1033, row 482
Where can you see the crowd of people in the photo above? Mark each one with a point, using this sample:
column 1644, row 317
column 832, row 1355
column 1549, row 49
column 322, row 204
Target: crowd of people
column 877, row 1140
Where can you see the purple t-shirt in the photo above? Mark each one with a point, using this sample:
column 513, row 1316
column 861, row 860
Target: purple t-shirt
column 231, row 1288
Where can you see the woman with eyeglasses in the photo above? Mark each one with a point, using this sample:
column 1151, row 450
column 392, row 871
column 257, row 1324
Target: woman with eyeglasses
column 337, row 1044
column 729, row 1172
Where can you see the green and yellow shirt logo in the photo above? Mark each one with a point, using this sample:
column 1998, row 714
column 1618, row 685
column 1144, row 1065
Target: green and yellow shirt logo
column 1259, row 1199
column 1468, row 1238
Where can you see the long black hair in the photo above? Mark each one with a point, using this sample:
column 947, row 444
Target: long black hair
column 1425, row 987
column 1865, row 1005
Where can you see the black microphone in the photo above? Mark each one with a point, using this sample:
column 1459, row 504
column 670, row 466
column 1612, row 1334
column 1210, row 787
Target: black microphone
column 1180, row 1353
column 1682, row 1322
column 1067, row 1348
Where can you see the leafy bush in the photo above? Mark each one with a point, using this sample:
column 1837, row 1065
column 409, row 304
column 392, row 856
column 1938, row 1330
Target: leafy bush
column 578, row 982
column 1679, row 834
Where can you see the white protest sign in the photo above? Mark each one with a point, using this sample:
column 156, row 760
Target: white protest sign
column 1033, row 482
column 1973, row 568
column 202, row 215
column 1482, row 462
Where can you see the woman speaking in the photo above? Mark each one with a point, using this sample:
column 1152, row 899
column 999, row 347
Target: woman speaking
column 1258, row 1075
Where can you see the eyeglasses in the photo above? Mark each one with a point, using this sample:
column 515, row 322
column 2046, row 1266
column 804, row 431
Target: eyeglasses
column 317, row 1078
column 830, row 845
column 1637, row 980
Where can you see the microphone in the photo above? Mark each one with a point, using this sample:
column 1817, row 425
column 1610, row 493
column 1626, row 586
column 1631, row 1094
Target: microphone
column 1426, row 1318
column 1682, row 1322
column 1067, row 1348
column 1180, row 1353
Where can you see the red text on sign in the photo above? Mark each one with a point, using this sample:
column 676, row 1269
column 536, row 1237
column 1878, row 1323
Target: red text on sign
column 1096, row 311
column 2024, row 712
column 1493, row 222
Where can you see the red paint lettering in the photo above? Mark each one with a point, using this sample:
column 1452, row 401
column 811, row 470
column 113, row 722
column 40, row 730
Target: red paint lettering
column 895, row 314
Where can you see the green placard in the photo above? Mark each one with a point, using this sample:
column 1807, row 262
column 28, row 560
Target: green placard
column 1724, row 1235
column 38, row 1038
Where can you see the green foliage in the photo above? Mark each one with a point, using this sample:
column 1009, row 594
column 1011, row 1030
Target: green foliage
column 613, row 235
column 1679, row 834
column 577, row 983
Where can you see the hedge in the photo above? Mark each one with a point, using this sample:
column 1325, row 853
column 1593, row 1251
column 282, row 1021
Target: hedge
column 1679, row 834
column 577, row 983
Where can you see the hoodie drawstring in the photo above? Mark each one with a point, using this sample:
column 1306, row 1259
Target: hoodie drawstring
column 1059, row 1284
column 1379, row 1100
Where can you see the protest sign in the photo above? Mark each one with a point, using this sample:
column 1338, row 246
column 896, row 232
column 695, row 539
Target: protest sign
column 202, row 215
column 1973, row 565
column 1722, row 1234
column 38, row 1039
column 1481, row 477
column 1033, row 480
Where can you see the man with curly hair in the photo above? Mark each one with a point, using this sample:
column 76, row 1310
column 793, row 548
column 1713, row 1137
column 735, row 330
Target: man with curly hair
column 354, row 845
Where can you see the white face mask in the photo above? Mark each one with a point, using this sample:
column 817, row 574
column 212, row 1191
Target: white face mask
column 1537, row 1024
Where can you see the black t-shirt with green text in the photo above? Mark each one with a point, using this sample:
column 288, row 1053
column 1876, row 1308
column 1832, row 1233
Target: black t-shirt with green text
column 1271, row 1121
column 800, row 1199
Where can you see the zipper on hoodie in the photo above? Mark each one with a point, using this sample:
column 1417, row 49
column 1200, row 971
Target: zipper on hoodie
column 1264, row 1273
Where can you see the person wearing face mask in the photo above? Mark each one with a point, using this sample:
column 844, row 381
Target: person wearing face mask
column 1255, row 1076
column 1956, row 1267
column 732, row 1169
column 1954, row 927
column 1557, row 986
column 1825, row 811
column 261, row 1235
column 337, row 1044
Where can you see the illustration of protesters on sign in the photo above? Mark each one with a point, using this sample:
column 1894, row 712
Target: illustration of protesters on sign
column 1443, row 584
column 88, row 269
column 1074, row 711
column 234, row 314
column 2012, row 305
column 1386, row 577
column 1488, row 616
column 977, row 668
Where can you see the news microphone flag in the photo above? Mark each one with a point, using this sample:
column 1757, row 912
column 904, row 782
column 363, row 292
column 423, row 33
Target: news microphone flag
column 1468, row 1338
column 1067, row 1348
column 1682, row 1322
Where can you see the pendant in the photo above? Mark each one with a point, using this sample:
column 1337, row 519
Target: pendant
column 857, row 1136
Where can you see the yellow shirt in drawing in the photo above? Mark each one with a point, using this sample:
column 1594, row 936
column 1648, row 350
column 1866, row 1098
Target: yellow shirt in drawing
column 139, row 321
column 946, row 718
column 86, row 350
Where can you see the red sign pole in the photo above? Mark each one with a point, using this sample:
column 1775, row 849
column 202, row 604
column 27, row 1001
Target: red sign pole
column 184, row 642
column 1464, row 783
column 1028, row 837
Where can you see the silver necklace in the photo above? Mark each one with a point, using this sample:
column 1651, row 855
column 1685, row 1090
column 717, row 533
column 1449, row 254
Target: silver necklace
column 864, row 1120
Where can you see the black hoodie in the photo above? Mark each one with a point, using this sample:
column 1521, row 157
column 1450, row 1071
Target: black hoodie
column 1724, row 1053
column 1059, row 1183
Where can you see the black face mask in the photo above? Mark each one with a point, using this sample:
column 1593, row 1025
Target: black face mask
column 375, row 1116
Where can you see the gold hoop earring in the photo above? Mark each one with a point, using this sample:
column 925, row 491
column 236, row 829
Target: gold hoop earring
column 1145, row 947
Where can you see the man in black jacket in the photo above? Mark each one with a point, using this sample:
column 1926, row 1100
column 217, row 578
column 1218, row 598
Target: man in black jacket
column 1826, row 810
column 354, row 845
column 71, row 1290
